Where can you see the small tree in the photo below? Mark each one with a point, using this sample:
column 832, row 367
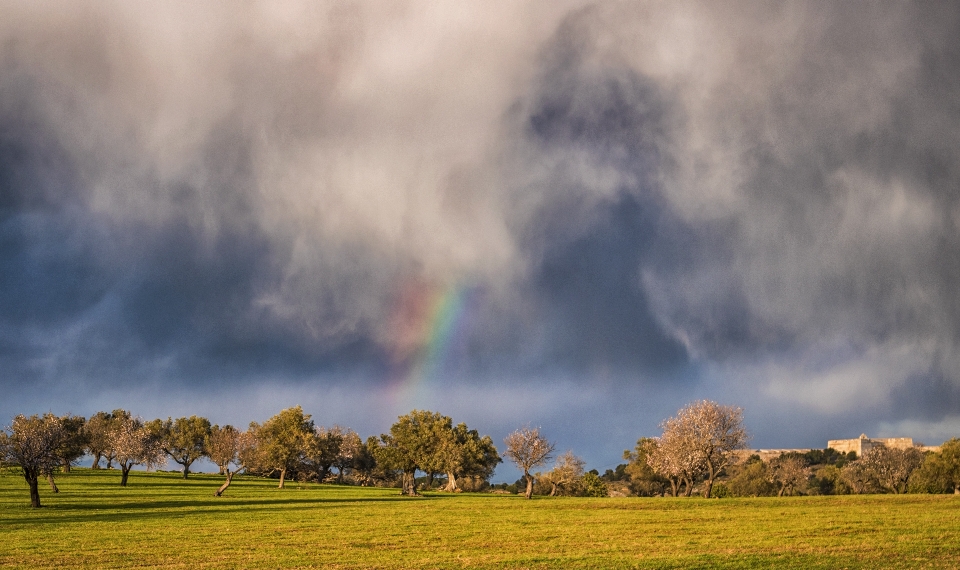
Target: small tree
column 751, row 478
column 71, row 448
column 134, row 444
column 566, row 472
column 710, row 432
column 99, row 431
column 32, row 444
column 593, row 485
column 528, row 450
column 892, row 467
column 322, row 450
column 940, row 472
column 644, row 480
column 673, row 458
column 183, row 439
column 228, row 446
column 349, row 452
column 221, row 446
column 282, row 442
column 789, row 472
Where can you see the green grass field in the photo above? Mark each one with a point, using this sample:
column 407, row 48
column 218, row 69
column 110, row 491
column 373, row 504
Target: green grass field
column 162, row 521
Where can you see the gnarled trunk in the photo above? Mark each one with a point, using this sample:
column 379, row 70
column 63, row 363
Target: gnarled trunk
column 553, row 489
column 53, row 484
column 408, row 483
column 226, row 484
column 283, row 476
column 451, row 483
column 96, row 461
column 125, row 473
column 529, row 479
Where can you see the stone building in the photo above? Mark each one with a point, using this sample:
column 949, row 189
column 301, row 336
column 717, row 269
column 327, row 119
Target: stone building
column 864, row 444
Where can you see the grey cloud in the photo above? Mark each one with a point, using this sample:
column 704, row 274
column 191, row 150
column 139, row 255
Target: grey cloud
column 690, row 196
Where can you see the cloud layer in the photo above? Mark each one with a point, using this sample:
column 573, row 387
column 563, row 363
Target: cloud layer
column 655, row 202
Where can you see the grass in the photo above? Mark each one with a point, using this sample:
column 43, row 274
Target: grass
column 163, row 521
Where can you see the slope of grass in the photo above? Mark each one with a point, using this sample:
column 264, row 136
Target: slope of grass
column 162, row 521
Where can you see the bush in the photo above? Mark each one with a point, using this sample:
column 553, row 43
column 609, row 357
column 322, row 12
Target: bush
column 593, row 485
column 720, row 491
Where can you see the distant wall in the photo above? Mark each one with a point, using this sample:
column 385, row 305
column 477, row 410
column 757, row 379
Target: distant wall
column 864, row 444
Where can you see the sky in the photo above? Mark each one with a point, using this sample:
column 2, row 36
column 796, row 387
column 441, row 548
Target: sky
column 572, row 215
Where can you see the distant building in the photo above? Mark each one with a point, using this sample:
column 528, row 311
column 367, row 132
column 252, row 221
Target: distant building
column 859, row 445
column 863, row 444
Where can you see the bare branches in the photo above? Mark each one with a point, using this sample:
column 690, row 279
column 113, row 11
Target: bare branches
column 528, row 449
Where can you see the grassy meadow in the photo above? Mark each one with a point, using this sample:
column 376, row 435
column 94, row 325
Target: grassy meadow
column 163, row 521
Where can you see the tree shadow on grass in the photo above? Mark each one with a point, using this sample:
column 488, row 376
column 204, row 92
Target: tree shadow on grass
column 125, row 511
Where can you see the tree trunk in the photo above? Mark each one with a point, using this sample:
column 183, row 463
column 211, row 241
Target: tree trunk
column 688, row 487
column 711, row 475
column 780, row 492
column 956, row 489
column 529, row 479
column 452, row 483
column 674, row 487
column 226, row 484
column 53, row 484
column 96, row 461
column 124, row 473
column 430, row 480
column 31, row 477
column 283, row 476
column 408, row 482
column 553, row 489
column 66, row 466
column 186, row 470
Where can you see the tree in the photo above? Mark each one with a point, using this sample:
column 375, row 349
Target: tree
column 859, row 477
column 464, row 453
column 228, row 445
column 221, row 446
column 350, row 452
column 32, row 444
column 751, row 479
column 322, row 449
column 566, row 472
column 892, row 467
column 789, row 472
column 183, row 439
column 672, row 457
column 529, row 450
column 99, row 432
column 412, row 445
column 282, row 442
column 71, row 448
column 644, row 480
column 593, row 485
column 710, row 432
column 940, row 472
column 134, row 444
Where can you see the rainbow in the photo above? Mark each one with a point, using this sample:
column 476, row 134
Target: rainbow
column 427, row 332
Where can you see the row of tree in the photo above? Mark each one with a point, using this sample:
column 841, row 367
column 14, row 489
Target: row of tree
column 287, row 445
column 703, row 444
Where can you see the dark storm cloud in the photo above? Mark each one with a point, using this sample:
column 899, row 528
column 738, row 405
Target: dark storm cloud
column 746, row 201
